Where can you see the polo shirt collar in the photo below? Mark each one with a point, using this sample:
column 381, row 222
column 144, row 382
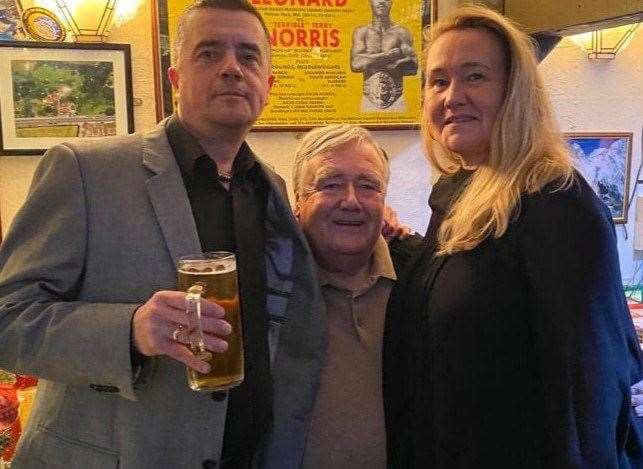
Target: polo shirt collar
column 381, row 266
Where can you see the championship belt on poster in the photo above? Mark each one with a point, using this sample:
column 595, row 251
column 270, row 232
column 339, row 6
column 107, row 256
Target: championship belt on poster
column 382, row 90
column 334, row 61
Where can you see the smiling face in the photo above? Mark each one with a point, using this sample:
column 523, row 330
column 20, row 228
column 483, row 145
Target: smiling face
column 466, row 85
column 223, row 74
column 342, row 203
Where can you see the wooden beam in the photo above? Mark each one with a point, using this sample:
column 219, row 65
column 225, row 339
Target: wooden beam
column 573, row 16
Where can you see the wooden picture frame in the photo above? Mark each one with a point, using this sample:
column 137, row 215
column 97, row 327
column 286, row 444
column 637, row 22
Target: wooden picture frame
column 604, row 159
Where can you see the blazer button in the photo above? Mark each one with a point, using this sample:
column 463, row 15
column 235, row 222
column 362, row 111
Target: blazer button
column 219, row 396
column 209, row 464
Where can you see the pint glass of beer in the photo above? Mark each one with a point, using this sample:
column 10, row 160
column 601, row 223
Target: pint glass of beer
column 212, row 275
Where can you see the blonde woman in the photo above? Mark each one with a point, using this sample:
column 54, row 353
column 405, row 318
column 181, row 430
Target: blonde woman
column 522, row 351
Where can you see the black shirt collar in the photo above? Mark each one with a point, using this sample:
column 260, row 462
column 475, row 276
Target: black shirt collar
column 187, row 150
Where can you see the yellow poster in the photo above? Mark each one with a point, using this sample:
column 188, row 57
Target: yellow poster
column 335, row 61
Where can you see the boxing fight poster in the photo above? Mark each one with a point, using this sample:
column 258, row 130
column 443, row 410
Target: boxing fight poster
column 334, row 61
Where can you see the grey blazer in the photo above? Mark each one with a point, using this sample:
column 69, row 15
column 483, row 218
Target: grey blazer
column 100, row 232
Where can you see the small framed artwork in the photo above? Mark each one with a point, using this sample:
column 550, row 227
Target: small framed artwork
column 604, row 160
column 10, row 23
column 54, row 92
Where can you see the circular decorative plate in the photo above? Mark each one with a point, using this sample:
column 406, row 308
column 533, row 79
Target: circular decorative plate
column 43, row 25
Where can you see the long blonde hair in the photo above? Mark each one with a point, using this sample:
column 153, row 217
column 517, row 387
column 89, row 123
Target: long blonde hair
column 526, row 149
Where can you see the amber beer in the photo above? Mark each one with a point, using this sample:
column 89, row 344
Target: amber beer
column 216, row 273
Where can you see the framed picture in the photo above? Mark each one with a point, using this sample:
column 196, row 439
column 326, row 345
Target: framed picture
column 604, row 160
column 53, row 92
column 328, row 61
column 10, row 22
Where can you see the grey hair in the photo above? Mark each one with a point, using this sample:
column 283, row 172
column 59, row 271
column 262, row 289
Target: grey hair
column 323, row 140
column 230, row 5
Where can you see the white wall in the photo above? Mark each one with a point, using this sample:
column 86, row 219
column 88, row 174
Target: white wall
column 16, row 171
column 602, row 96
column 409, row 186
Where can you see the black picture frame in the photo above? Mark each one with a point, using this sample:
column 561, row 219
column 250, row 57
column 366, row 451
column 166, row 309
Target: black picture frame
column 54, row 92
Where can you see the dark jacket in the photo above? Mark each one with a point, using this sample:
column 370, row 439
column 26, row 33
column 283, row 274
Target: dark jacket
column 520, row 352
column 394, row 385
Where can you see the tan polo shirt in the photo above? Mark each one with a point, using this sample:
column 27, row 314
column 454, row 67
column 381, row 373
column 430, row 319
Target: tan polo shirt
column 347, row 428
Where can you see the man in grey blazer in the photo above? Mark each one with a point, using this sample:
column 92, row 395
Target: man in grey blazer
column 87, row 274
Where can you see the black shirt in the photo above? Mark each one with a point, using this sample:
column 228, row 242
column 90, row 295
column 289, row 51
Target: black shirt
column 233, row 220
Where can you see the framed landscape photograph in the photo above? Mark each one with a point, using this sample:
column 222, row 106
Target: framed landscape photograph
column 604, row 160
column 54, row 92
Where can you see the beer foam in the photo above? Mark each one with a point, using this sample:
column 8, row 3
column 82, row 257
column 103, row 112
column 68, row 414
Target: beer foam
column 208, row 267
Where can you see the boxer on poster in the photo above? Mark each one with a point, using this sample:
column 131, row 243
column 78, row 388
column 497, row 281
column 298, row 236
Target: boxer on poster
column 383, row 52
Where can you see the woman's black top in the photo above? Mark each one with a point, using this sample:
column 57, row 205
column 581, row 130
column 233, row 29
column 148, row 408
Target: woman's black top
column 521, row 351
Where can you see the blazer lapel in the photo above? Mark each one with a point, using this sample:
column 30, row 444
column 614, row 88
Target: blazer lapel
column 168, row 195
column 284, row 217
column 301, row 340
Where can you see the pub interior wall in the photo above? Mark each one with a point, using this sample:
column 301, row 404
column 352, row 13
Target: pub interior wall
column 587, row 96
column 602, row 96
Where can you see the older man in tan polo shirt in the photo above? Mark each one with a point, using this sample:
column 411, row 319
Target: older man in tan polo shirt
column 340, row 178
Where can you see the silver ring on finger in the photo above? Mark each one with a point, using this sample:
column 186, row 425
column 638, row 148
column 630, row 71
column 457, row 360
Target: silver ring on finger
column 178, row 335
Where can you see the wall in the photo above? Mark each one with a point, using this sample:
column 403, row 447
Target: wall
column 587, row 96
column 602, row 96
column 16, row 171
column 554, row 15
column 409, row 185
column 403, row 147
